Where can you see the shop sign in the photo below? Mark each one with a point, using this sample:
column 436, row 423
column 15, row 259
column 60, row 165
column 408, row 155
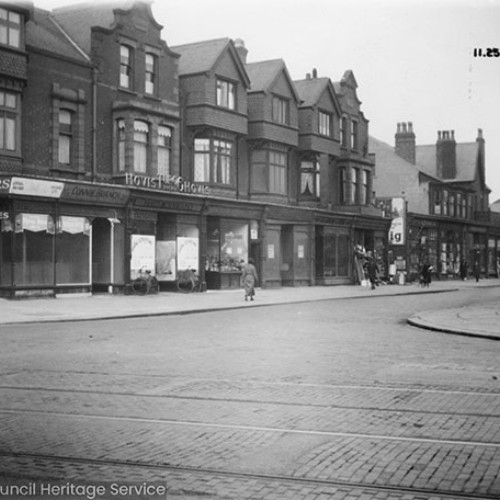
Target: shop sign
column 398, row 216
column 35, row 187
column 95, row 194
column 166, row 183
column 5, row 184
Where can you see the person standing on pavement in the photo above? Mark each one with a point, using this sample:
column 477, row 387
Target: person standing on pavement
column 249, row 279
column 463, row 269
column 372, row 269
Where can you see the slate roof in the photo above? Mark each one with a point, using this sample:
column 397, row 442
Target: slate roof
column 77, row 20
column 466, row 161
column 263, row 73
column 386, row 157
column 310, row 90
column 199, row 57
column 45, row 34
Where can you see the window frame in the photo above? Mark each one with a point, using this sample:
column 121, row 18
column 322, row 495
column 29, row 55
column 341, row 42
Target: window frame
column 127, row 65
column 151, row 74
column 325, row 124
column 225, row 91
column 9, row 114
column 141, row 145
column 164, row 149
column 354, row 135
column 273, row 171
column 66, row 137
column 281, row 110
column 218, row 161
column 312, row 171
column 11, row 27
column 344, row 123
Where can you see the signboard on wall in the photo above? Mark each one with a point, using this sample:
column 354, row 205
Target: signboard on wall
column 165, row 261
column 398, row 222
column 143, row 247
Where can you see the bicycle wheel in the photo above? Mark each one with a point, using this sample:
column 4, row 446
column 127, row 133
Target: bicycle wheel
column 185, row 285
column 154, row 286
column 140, row 286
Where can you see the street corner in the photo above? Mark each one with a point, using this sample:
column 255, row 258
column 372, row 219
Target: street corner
column 476, row 321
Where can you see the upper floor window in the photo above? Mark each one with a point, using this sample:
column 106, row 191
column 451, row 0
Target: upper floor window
column 125, row 66
column 269, row 171
column 309, row 179
column 213, row 160
column 325, row 124
column 281, row 110
column 226, row 94
column 10, row 28
column 9, row 116
column 164, row 149
column 151, row 74
column 141, row 143
column 121, row 145
column 65, row 136
column 354, row 134
column 343, row 131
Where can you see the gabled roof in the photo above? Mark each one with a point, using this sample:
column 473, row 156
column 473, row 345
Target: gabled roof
column 466, row 161
column 495, row 207
column 386, row 156
column 45, row 34
column 201, row 57
column 77, row 20
column 310, row 91
column 263, row 75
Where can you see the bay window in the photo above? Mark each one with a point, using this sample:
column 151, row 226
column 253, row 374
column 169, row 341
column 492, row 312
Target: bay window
column 164, row 149
column 141, row 142
column 309, row 179
column 269, row 171
column 213, row 160
column 10, row 28
column 9, row 117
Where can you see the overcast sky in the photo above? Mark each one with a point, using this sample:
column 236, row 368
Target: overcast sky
column 413, row 60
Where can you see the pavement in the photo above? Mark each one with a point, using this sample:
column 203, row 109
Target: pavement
column 480, row 321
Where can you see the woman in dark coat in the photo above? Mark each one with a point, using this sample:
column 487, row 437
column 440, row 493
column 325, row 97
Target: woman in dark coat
column 249, row 279
column 372, row 270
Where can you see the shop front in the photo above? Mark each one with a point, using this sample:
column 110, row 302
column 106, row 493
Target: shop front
column 53, row 242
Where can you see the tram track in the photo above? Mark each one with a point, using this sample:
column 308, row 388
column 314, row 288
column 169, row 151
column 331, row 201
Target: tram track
column 397, row 407
column 435, row 494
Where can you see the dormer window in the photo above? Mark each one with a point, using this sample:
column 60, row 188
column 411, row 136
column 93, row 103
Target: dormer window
column 281, row 110
column 10, row 28
column 226, row 94
column 343, row 131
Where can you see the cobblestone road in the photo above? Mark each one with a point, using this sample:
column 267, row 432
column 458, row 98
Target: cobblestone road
column 234, row 438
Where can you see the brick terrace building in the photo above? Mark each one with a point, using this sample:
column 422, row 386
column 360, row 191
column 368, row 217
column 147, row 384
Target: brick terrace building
column 119, row 153
column 443, row 203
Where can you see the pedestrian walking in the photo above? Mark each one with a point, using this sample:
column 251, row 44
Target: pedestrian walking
column 463, row 269
column 249, row 279
column 425, row 275
column 372, row 270
column 477, row 270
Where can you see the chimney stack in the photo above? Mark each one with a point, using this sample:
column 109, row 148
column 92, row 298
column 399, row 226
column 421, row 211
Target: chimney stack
column 405, row 142
column 241, row 49
column 446, row 154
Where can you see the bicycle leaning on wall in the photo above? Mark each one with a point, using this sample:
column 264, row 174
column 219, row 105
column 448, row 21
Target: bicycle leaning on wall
column 145, row 283
column 188, row 281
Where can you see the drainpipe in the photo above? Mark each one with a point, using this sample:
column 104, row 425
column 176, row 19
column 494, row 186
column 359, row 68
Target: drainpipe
column 94, row 124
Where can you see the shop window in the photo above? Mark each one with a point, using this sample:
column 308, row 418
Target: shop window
column 226, row 94
column 281, row 110
column 6, row 251
column 151, row 74
column 213, row 160
column 9, row 121
column 126, row 66
column 164, row 149
column 34, row 249
column 325, row 124
column 10, row 28
column 141, row 142
column 73, row 250
column 309, row 179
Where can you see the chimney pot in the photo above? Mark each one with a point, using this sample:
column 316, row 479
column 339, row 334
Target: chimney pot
column 315, row 73
column 239, row 44
column 308, row 76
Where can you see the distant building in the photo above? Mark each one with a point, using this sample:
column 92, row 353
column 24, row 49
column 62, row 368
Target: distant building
column 442, row 193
